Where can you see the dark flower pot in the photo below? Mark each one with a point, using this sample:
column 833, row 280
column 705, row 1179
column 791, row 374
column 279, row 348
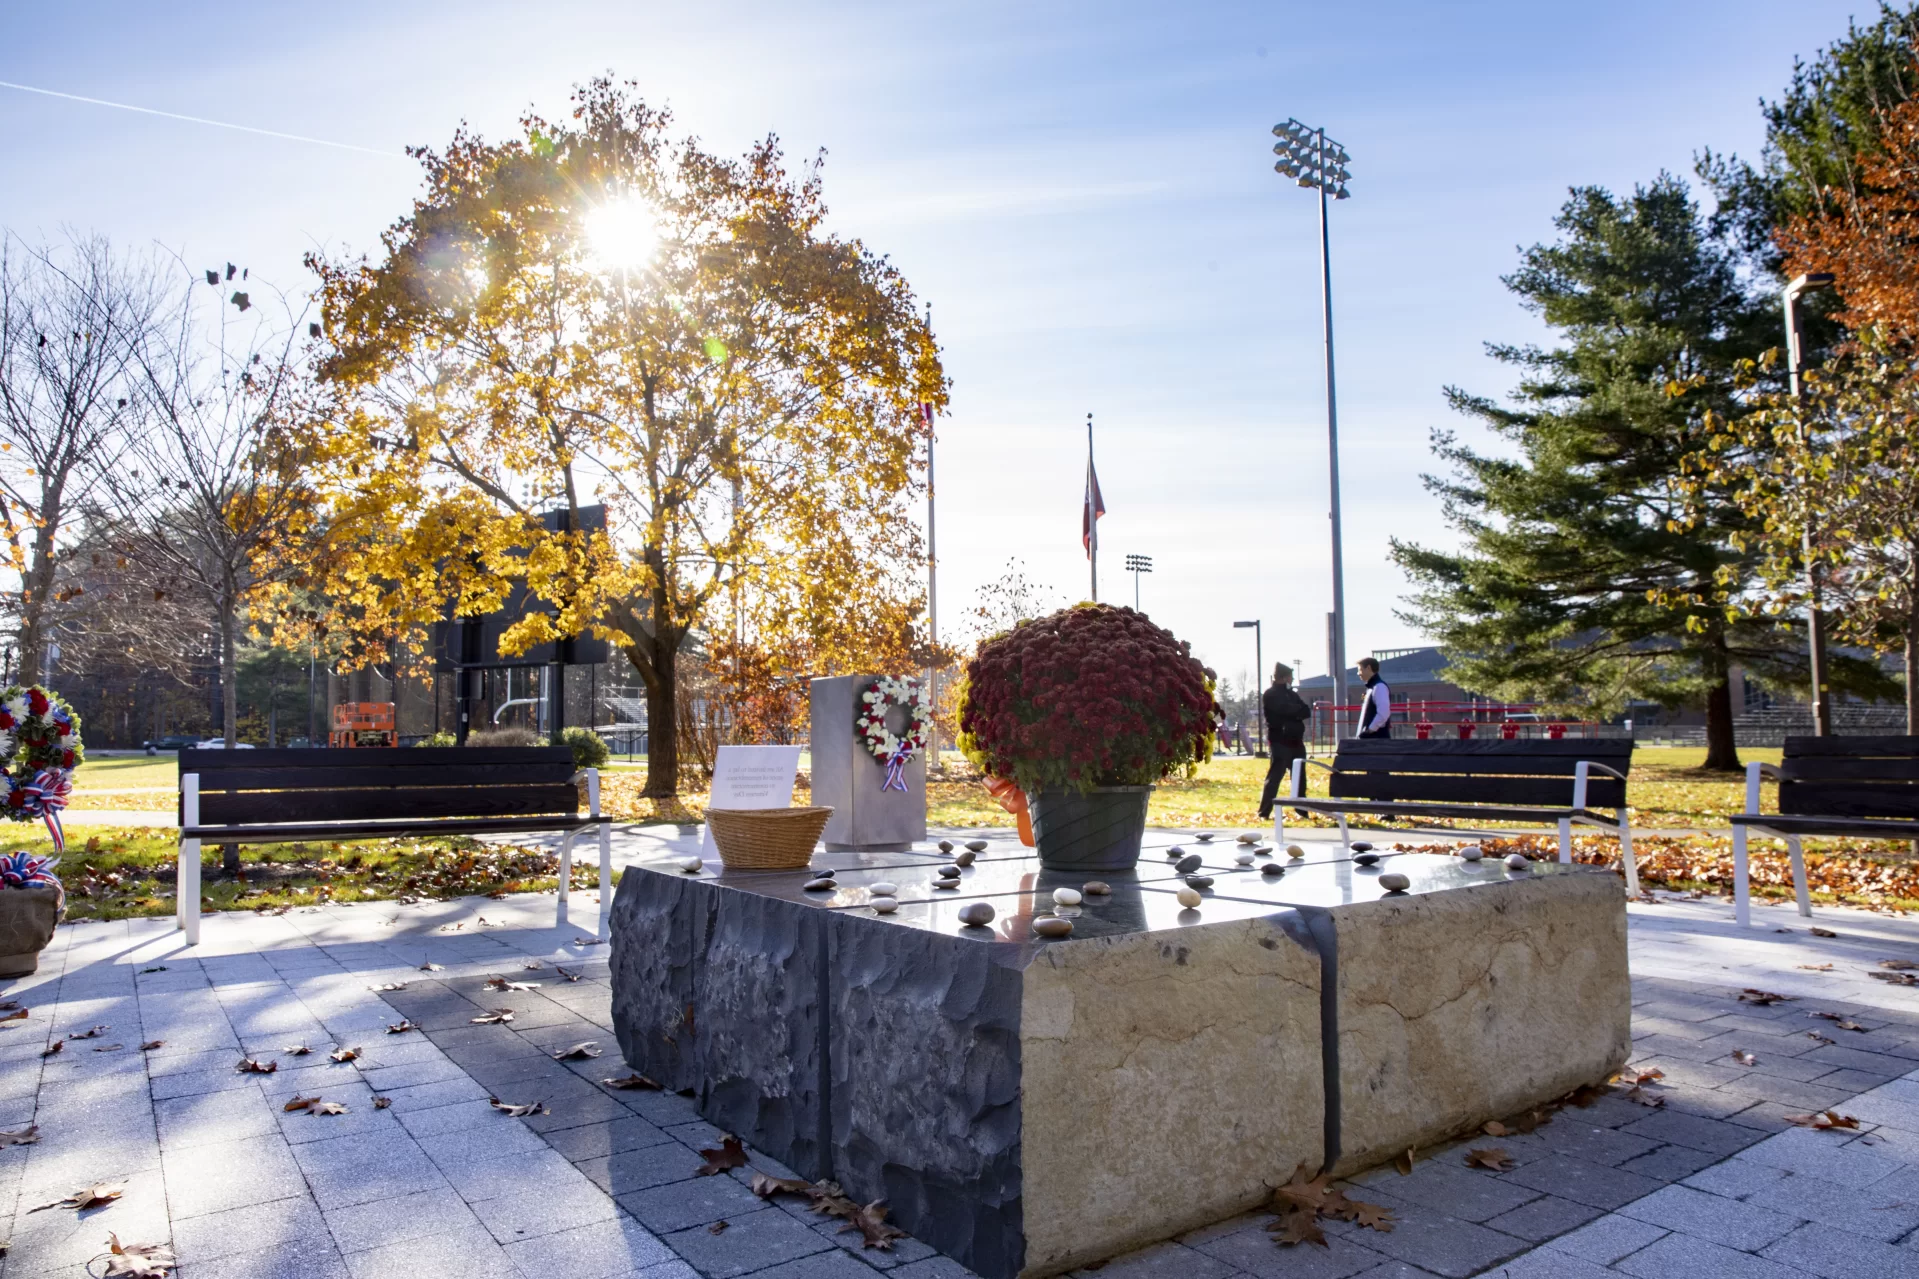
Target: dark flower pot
column 1099, row 830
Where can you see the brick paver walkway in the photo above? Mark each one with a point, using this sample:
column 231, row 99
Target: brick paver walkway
column 1713, row 1182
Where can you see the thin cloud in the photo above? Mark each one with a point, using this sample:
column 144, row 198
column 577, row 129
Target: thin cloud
column 194, row 119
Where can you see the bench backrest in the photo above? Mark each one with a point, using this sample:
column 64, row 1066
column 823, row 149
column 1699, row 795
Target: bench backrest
column 261, row 787
column 1850, row 777
column 1519, row 771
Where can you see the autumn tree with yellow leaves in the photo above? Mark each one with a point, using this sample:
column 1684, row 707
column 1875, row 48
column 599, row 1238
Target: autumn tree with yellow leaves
column 599, row 313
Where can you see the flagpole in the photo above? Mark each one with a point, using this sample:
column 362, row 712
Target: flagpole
column 932, row 587
column 1092, row 516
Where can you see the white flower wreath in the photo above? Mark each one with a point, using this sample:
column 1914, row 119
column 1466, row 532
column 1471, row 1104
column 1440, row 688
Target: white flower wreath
column 893, row 749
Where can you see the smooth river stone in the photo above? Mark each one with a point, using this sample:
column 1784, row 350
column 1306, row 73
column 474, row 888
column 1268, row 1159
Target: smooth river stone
column 1053, row 926
column 1519, row 861
column 883, row 888
column 1365, row 858
column 1199, row 881
column 1205, row 837
column 690, row 864
column 965, row 858
column 1361, row 846
column 946, row 883
column 1066, row 896
column 945, row 845
column 819, row 885
column 948, row 872
column 1186, row 865
column 1272, row 868
column 1174, row 853
column 1243, row 859
column 1294, row 850
column 976, row 914
column 884, row 905
column 975, row 845
column 1472, row 852
column 1394, row 882
column 1189, row 897
column 1096, row 888
column 1249, row 838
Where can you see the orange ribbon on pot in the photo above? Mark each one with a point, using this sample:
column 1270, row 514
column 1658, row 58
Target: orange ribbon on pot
column 1013, row 800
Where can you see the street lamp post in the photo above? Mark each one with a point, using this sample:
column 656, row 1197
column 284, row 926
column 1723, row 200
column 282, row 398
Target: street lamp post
column 1137, row 564
column 1815, row 615
column 1259, row 661
column 1315, row 161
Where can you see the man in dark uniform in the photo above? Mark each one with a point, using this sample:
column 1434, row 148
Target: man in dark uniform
column 1376, row 713
column 1286, row 717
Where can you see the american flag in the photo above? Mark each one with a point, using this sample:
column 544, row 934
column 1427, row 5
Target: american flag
column 1095, row 507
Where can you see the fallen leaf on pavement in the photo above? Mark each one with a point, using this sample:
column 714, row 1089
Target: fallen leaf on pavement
column 297, row 1050
column 1823, row 1119
column 157, row 968
column 1637, row 1077
column 1840, row 1020
column 1298, row 1225
column 1744, row 1058
column 766, row 1187
column 95, row 1033
column 531, row 964
column 567, row 973
column 392, row 985
column 20, row 1136
column 345, row 1054
column 1815, row 968
column 1764, row 998
column 717, row 1228
column 381, row 1103
column 516, row 1111
column 588, row 941
column 301, row 1103
column 8, row 1005
column 633, row 1081
column 326, row 1108
column 1491, row 1158
column 58, row 1044
column 501, row 983
column 1638, row 1096
column 1898, row 979
column 430, row 967
column 401, row 1028
column 84, row 1198
column 498, row 1017
column 731, row 1154
column 1898, row 965
column 152, row 1044
column 870, row 1221
column 254, row 1066
column 1371, row 1216
column 578, row 1052
column 18, row 1014
column 1493, row 1128
column 108, row 1048
column 1822, row 932
column 137, row 1260
column 1818, row 1038
column 1404, row 1163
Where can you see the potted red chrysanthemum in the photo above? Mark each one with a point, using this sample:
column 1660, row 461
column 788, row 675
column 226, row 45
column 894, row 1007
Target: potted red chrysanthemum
column 1086, row 710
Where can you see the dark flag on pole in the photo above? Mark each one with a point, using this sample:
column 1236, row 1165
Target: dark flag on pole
column 1095, row 507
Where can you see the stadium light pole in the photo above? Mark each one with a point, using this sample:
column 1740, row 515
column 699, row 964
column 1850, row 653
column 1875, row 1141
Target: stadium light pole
column 1815, row 614
column 1137, row 564
column 1315, row 161
column 1259, row 659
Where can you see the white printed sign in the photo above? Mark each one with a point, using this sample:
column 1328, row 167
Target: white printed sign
column 750, row 777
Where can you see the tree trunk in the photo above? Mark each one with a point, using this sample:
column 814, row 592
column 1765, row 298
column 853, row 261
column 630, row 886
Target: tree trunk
column 229, row 714
column 36, row 587
column 1722, row 752
column 662, row 720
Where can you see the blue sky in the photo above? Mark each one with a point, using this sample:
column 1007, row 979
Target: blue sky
column 1083, row 191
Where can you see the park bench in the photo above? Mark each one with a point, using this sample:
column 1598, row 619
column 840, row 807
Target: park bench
column 1494, row 779
column 1860, row 786
column 301, row 796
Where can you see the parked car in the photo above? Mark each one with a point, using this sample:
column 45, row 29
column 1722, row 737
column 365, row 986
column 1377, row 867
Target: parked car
column 220, row 743
column 173, row 743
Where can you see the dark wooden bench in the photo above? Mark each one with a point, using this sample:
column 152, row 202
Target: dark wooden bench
column 1861, row 786
column 300, row 796
column 1564, row 782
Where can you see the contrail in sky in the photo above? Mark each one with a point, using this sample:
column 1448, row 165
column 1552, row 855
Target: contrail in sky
column 194, row 119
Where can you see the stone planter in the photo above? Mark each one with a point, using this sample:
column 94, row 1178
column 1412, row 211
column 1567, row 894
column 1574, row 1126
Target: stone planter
column 27, row 920
column 1099, row 830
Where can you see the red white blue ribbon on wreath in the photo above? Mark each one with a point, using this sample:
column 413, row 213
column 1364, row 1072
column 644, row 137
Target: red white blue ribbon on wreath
column 895, row 779
column 44, row 797
column 22, row 870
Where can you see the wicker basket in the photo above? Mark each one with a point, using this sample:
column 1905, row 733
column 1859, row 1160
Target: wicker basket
column 766, row 838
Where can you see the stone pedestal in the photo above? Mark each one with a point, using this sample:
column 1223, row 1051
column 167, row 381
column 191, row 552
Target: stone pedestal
column 1028, row 1106
column 848, row 778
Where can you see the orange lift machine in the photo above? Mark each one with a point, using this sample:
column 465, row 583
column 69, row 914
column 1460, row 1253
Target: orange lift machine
column 355, row 724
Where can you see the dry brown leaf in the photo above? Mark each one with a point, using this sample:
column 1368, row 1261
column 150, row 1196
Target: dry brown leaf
column 635, row 1080
column 588, row 941
column 297, row 1050
column 731, row 1154
column 718, row 1227
column 1815, row 968
column 1898, row 965
column 1298, row 1225
column 152, row 1044
column 95, row 1033
column 381, row 1103
column 1897, row 979
column 501, row 983
column 1585, row 1095
column 301, row 1103
column 8, row 1005
column 345, row 1054
column 1638, row 1095
column 1823, row 1119
column 1372, row 1216
column 1822, row 932
column 392, row 985
column 1840, row 1020
column 326, row 1108
column 1302, row 1190
column 1493, row 1128
column 498, row 1017
column 567, row 973
column 1744, row 1058
column 254, row 1066
column 766, row 1187
column 1820, row 1039
column 18, row 1014
column 1637, row 1077
column 578, row 1052
column 1403, row 1162
column 86, row 1197
column 1491, row 1158
column 136, row 1260
column 20, row 1136
column 401, row 1028
column 1764, row 998
column 430, row 967
column 870, row 1221
column 516, row 1111
column 53, row 1048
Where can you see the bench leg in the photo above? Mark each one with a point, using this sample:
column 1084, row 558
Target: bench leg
column 1799, row 888
column 1741, row 894
column 1565, row 841
column 566, row 864
column 1345, row 836
column 1626, row 859
column 1279, row 826
column 187, row 886
column 606, row 882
